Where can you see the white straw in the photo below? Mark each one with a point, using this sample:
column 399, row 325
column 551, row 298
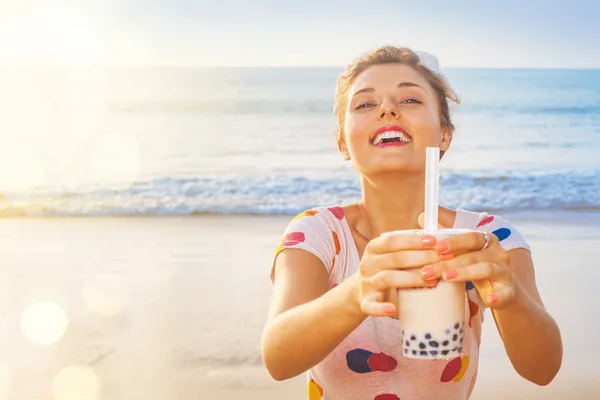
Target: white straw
column 432, row 187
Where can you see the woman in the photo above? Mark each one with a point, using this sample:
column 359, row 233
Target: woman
column 335, row 275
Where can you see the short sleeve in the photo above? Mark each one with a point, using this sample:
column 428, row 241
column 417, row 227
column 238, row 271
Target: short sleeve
column 309, row 231
column 509, row 236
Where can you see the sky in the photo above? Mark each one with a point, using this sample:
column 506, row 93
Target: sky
column 242, row 33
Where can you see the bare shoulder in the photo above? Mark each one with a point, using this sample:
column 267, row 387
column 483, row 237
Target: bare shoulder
column 301, row 277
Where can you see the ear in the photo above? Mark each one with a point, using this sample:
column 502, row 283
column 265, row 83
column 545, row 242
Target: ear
column 343, row 149
column 446, row 139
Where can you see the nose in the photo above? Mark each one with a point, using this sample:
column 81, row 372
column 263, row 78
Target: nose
column 388, row 109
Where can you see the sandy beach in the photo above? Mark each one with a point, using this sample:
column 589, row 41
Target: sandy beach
column 161, row 308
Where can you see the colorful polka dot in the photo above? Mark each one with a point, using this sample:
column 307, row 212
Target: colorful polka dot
column 337, row 211
column 358, row 360
column 387, row 396
column 293, row 239
column 362, row 361
column 308, row 213
column 336, row 241
column 473, row 310
column 502, row 233
column 455, row 369
column 451, row 370
column 463, row 369
column 382, row 362
column 487, row 220
column 470, row 285
column 315, row 392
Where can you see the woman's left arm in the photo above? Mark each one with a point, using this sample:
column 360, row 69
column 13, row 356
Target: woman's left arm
column 531, row 336
column 506, row 282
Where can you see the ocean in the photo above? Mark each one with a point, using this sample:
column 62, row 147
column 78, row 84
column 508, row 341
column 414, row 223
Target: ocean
column 183, row 141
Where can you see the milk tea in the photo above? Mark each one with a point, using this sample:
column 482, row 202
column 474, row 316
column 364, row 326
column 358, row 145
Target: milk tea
column 432, row 319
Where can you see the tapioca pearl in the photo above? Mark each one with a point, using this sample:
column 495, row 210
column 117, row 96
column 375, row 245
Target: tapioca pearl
column 422, row 353
column 413, row 337
column 460, row 349
column 445, row 352
column 405, row 351
column 461, row 341
column 445, row 343
column 422, row 345
column 457, row 325
column 433, row 352
column 433, row 343
column 407, row 343
column 461, row 330
column 414, row 352
column 454, row 337
column 428, row 336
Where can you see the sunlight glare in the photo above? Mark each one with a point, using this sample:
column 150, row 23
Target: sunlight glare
column 44, row 323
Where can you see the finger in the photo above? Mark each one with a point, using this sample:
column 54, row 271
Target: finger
column 400, row 259
column 479, row 271
column 391, row 242
column 395, row 279
column 500, row 297
column 435, row 270
column 392, row 298
column 465, row 242
column 372, row 305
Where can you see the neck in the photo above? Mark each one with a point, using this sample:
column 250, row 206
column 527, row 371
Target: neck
column 391, row 203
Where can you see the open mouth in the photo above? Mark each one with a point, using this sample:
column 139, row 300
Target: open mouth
column 390, row 138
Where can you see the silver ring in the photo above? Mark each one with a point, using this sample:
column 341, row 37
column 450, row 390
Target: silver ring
column 487, row 241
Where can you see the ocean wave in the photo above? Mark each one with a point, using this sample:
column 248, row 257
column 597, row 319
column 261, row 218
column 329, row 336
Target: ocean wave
column 321, row 106
column 289, row 195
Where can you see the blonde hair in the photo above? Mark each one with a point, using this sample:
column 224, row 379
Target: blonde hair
column 388, row 55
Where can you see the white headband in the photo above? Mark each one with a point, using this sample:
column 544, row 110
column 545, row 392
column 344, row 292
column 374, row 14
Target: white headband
column 431, row 62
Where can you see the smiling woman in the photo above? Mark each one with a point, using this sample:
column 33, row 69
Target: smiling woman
column 392, row 105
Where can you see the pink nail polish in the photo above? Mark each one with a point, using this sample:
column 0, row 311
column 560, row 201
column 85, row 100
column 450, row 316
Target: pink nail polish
column 432, row 283
column 389, row 309
column 442, row 246
column 428, row 271
column 492, row 299
column 450, row 274
column 449, row 256
column 428, row 241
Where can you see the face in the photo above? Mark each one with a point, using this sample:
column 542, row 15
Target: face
column 391, row 117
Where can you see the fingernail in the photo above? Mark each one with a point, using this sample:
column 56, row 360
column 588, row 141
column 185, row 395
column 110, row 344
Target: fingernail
column 492, row 299
column 389, row 309
column 448, row 256
column 428, row 271
column 428, row 240
column 442, row 246
column 432, row 282
column 450, row 274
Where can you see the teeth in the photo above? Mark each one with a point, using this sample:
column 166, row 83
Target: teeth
column 390, row 135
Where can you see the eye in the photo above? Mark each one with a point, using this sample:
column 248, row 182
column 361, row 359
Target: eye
column 411, row 100
column 364, row 105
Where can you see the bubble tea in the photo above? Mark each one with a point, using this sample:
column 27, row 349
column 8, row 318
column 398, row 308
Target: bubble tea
column 432, row 319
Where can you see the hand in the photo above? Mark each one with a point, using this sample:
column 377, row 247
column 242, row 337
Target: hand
column 467, row 260
column 383, row 269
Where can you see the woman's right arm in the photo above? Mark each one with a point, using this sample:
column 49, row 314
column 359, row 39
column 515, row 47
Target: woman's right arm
column 306, row 322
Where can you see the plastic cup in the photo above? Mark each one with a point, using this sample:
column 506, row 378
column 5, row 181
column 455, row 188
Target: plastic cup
column 432, row 319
